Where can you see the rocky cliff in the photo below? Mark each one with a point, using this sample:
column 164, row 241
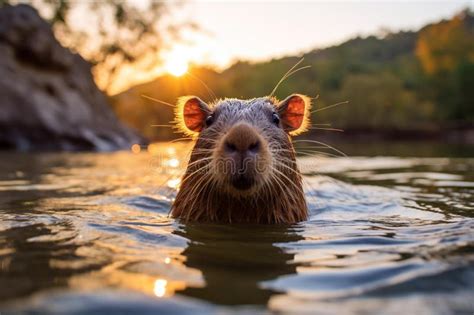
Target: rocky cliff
column 48, row 99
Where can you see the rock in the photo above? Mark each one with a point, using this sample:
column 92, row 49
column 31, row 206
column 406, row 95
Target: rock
column 48, row 98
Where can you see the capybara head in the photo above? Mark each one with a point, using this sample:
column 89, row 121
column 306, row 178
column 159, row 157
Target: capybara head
column 242, row 167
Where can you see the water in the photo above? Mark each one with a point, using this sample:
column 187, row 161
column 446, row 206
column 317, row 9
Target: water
column 89, row 233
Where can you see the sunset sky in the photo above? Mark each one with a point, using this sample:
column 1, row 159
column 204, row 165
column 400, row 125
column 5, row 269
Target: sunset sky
column 259, row 30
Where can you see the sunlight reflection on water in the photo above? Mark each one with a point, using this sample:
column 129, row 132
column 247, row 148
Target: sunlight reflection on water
column 160, row 287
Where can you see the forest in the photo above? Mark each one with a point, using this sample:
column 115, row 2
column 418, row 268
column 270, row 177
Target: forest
column 409, row 81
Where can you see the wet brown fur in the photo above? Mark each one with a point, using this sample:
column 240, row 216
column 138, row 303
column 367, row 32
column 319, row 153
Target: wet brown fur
column 279, row 197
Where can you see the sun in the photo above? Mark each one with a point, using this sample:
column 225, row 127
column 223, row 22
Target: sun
column 176, row 64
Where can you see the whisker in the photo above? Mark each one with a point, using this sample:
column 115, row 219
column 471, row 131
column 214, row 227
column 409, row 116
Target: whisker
column 205, row 167
column 157, row 100
column 296, row 70
column 304, row 181
column 315, row 153
column 283, row 187
column 321, row 143
column 293, row 72
column 195, row 193
column 180, row 139
column 327, row 129
column 209, row 90
column 199, row 160
column 329, row 106
column 288, row 179
column 284, row 76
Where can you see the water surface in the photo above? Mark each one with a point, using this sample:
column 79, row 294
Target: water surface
column 84, row 233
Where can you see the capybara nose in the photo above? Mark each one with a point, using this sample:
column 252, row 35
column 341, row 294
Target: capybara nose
column 243, row 140
column 241, row 147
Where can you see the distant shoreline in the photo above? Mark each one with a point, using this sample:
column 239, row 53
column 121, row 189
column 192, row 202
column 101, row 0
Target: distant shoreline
column 455, row 135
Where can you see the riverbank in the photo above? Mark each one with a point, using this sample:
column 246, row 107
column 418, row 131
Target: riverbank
column 448, row 142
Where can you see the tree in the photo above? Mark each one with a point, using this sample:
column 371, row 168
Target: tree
column 446, row 53
column 111, row 34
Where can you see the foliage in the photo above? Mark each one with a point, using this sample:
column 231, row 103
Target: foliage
column 402, row 81
column 446, row 52
column 398, row 81
column 111, row 34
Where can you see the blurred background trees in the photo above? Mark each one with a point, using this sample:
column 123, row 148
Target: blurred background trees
column 446, row 53
column 113, row 35
column 417, row 80
column 408, row 80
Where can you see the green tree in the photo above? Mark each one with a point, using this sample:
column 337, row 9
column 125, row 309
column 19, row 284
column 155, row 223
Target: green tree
column 446, row 52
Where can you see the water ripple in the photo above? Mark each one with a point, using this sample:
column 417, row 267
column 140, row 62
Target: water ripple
column 90, row 233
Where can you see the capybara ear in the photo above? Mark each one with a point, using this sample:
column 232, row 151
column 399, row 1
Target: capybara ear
column 294, row 113
column 191, row 113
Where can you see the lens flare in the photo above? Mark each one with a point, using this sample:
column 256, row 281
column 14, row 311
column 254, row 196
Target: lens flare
column 176, row 65
column 136, row 148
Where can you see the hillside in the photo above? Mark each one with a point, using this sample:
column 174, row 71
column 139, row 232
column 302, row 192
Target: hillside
column 405, row 81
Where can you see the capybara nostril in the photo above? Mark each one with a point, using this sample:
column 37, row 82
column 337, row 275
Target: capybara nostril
column 242, row 138
column 254, row 147
column 230, row 147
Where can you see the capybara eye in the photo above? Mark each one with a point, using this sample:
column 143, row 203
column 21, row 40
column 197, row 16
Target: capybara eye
column 275, row 119
column 209, row 120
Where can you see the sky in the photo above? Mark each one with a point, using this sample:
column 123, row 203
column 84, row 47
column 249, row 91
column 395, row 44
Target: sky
column 258, row 30
column 261, row 30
